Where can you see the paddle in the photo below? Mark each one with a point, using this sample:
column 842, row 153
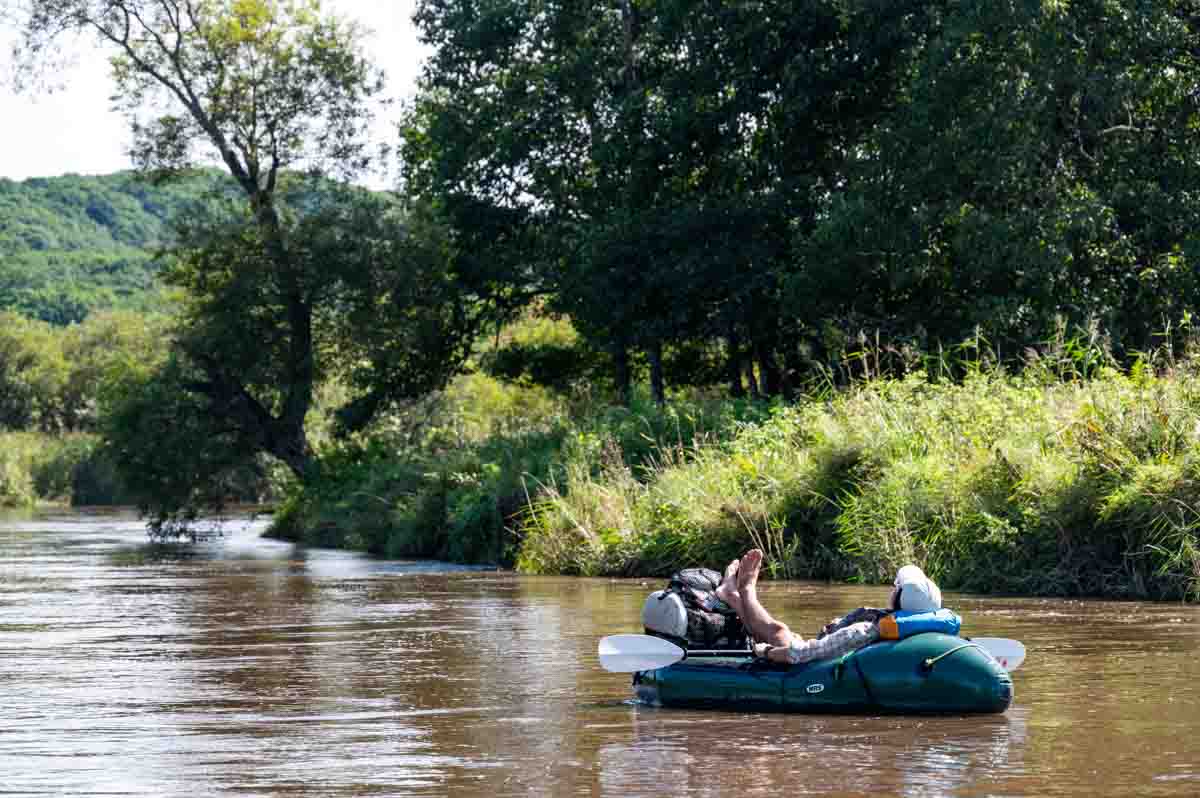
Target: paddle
column 630, row 653
column 1009, row 653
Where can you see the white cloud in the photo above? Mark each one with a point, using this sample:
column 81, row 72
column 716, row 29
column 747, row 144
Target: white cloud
column 73, row 129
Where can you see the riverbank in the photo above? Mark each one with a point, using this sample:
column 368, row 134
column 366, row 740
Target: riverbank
column 39, row 468
column 1029, row 484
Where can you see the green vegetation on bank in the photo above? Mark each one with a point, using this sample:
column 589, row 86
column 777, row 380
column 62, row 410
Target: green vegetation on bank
column 997, row 484
column 52, row 379
column 52, row 388
column 458, row 485
column 37, row 468
column 1036, row 483
column 60, row 388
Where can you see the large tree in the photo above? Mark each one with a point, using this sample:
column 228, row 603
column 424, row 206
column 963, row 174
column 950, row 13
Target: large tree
column 521, row 136
column 297, row 276
column 665, row 152
column 1037, row 161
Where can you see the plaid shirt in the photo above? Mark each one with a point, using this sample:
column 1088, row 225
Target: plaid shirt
column 839, row 637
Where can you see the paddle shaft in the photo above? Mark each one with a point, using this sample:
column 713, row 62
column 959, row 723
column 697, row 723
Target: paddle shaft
column 743, row 652
column 739, row 652
column 628, row 653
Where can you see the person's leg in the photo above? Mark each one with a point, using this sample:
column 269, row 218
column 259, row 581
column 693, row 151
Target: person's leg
column 744, row 599
column 727, row 591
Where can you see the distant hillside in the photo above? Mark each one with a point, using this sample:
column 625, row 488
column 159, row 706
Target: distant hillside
column 73, row 244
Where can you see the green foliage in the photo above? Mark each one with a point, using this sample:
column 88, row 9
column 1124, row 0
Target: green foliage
column 262, row 85
column 457, row 488
column 546, row 352
column 441, row 478
column 767, row 181
column 1032, row 168
column 652, row 164
column 35, row 467
column 174, row 459
column 996, row 484
column 72, row 245
column 17, row 454
column 54, row 473
column 51, row 378
column 53, row 382
column 367, row 287
column 301, row 278
column 32, row 375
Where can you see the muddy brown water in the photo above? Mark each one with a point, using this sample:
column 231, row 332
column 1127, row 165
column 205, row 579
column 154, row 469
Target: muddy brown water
column 252, row 667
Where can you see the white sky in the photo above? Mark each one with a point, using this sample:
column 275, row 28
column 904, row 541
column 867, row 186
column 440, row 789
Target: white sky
column 73, row 130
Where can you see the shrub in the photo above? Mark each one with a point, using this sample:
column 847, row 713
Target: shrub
column 996, row 483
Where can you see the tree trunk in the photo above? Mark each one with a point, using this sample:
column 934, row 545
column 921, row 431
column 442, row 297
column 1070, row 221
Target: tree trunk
column 733, row 363
column 772, row 379
column 657, row 383
column 747, row 365
column 792, row 367
column 283, row 438
column 291, row 447
column 621, row 373
column 301, row 361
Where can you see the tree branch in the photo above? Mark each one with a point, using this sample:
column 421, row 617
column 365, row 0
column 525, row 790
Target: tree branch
column 1126, row 129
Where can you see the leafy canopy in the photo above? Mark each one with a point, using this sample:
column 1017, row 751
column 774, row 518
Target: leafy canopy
column 302, row 279
column 74, row 245
column 258, row 85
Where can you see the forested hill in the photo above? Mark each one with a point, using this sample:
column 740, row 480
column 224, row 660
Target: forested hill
column 73, row 244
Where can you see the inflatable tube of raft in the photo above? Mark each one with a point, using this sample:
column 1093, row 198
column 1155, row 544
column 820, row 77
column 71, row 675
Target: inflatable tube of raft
column 925, row 673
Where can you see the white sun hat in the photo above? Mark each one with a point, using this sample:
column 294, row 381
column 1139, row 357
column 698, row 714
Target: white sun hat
column 918, row 593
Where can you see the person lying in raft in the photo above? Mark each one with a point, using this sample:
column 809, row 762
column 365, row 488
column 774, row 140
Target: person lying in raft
column 913, row 592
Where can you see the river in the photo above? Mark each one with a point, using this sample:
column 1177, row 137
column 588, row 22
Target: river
column 244, row 666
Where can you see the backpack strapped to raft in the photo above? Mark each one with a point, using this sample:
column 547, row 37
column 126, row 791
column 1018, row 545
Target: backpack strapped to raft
column 689, row 614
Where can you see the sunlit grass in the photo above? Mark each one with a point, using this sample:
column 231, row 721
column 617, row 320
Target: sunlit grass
column 997, row 483
column 1068, row 477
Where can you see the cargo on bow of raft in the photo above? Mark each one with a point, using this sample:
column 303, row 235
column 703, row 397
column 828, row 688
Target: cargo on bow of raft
column 928, row 672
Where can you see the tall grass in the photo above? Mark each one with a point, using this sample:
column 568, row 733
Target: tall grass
column 1035, row 483
column 1071, row 476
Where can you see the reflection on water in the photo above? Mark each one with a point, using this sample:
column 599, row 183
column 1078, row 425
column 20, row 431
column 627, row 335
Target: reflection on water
column 245, row 666
column 813, row 755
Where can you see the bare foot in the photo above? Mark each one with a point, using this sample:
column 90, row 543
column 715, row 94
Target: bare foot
column 727, row 591
column 747, row 578
column 731, row 571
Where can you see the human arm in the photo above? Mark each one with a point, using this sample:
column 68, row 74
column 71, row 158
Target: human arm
column 772, row 653
column 872, row 614
column 779, row 654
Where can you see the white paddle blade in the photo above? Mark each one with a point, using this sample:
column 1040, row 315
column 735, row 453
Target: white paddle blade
column 630, row 653
column 1009, row 653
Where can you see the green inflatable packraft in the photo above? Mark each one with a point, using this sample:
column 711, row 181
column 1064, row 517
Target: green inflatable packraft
column 925, row 673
